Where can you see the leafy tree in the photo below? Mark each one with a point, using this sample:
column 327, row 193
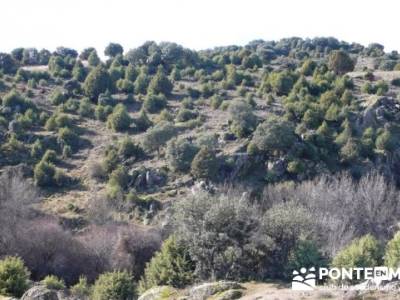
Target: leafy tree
column 282, row 82
column 52, row 282
column 171, row 266
column 340, row 62
column 14, row 277
column 81, row 289
column 113, row 49
column 44, row 173
column 363, row 252
column 93, row 59
column 205, row 164
column 119, row 120
column 180, row 153
column 392, row 252
column 127, row 148
column 142, row 82
column 274, row 135
column 115, row 285
column 242, row 120
column 131, row 73
column 308, row 67
column 154, row 103
column 7, row 64
column 79, row 72
column 386, row 141
column 160, row 83
column 86, row 52
column 97, row 82
column 223, row 235
column 305, row 254
column 158, row 135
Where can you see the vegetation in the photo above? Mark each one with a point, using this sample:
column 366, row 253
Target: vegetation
column 14, row 277
column 114, row 285
column 233, row 163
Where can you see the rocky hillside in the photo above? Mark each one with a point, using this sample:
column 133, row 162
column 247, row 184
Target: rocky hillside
column 99, row 152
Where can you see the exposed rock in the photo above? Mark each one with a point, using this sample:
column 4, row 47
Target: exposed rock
column 229, row 295
column 206, row 290
column 380, row 110
column 202, row 186
column 278, row 167
column 40, row 292
column 158, row 292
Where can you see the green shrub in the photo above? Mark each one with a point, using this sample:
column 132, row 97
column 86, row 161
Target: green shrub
column 142, row 122
column 119, row 120
column 363, row 252
column 158, row 135
column 308, row 67
column 186, row 115
column 13, row 99
column 37, row 149
column 58, row 97
column 14, row 277
column 154, row 103
column 340, row 62
column 102, row 112
column 57, row 121
column 93, row 59
column 66, row 151
column 392, row 252
column 160, row 84
column 113, row 49
column 98, row 81
column 114, row 285
column 81, row 289
column 205, row 164
column 85, row 108
column 44, row 174
column 216, row 101
column 125, row 86
column 119, row 177
column 127, row 148
column 50, row 156
column 171, row 266
column 52, row 282
column 305, row 254
column 67, row 136
column 180, row 153
column 274, row 135
column 242, row 120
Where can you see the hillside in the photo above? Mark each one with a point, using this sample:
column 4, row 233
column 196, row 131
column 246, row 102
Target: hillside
column 97, row 156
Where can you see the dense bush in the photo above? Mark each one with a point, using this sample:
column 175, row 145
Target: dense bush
column 392, row 252
column 53, row 282
column 242, row 120
column 180, row 153
column 158, row 135
column 340, row 62
column 119, row 120
column 113, row 49
column 171, row 266
column 274, row 135
column 14, row 277
column 97, row 82
column 363, row 252
column 154, row 102
column 160, row 84
column 114, row 285
column 205, row 164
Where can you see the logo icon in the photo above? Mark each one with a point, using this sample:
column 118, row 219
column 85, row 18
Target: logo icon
column 304, row 280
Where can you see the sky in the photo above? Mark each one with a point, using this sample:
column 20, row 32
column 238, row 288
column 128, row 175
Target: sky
column 196, row 24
